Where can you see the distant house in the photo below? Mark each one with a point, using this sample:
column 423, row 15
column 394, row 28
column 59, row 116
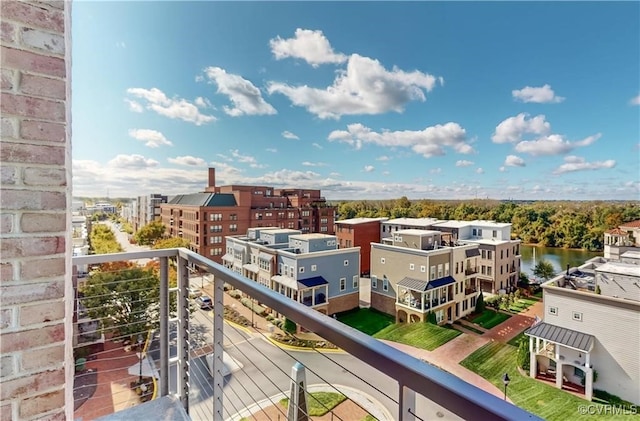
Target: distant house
column 619, row 240
column 359, row 232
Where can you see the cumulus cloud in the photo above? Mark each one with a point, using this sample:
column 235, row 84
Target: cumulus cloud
column 317, row 145
column 513, row 128
column 502, row 169
column 314, row 164
column 635, row 100
column 541, row 95
column 311, row 46
column 134, row 106
column 153, row 138
column 272, row 150
column 554, row 144
column 288, row 135
column 187, row 160
column 365, row 87
column 383, row 158
column 479, row 171
column 177, row 108
column 369, row 168
column 463, row 163
column 435, row 170
column 245, row 159
column 576, row 163
column 245, row 97
column 428, row 142
column 514, row 161
column 203, row 102
column 132, row 162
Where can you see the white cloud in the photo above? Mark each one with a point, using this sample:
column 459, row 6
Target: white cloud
column 513, row 128
column 502, row 169
column 317, row 145
column 245, row 159
column 635, row 100
column 514, row 161
column 554, row 144
column 383, row 158
column 173, row 108
column 576, row 163
column 369, row 168
column 203, row 102
column 428, row 142
column 314, row 164
column 543, row 94
column 288, row 135
column 187, row 160
column 386, row 172
column 311, row 46
column 134, row 106
column 246, row 98
column 435, row 171
column 153, row 138
column 365, row 87
column 132, row 162
column 463, row 163
column 479, row 171
column 272, row 150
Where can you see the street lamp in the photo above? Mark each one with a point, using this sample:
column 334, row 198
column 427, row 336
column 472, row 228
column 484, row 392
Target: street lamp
column 140, row 339
column 505, row 380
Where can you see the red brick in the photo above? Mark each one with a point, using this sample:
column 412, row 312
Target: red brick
column 42, row 40
column 8, row 32
column 8, row 79
column 43, row 222
column 32, row 200
column 32, row 15
column 6, row 272
column 31, row 246
column 32, row 62
column 38, row 313
column 27, row 293
column 27, row 339
column 6, row 412
column 41, row 404
column 42, row 86
column 25, row 153
column 57, row 4
column 26, row 106
column 9, row 128
column 6, row 223
column 9, row 175
column 30, row 385
column 6, row 318
column 43, row 268
column 7, row 366
column 42, row 357
column 44, row 177
column 41, row 130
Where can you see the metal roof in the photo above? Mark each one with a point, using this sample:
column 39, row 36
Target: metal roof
column 228, row 257
column 313, row 282
column 563, row 336
column 472, row 252
column 420, row 285
column 252, row 267
column 239, row 248
column 265, row 256
column 204, row 199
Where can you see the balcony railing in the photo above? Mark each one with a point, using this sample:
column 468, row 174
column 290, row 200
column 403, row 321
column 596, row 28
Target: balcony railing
column 407, row 388
column 469, row 291
column 471, row 271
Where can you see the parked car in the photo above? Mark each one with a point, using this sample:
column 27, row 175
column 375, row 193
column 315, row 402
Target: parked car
column 204, row 302
column 194, row 293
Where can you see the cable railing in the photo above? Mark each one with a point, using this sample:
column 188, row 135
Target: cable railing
column 155, row 343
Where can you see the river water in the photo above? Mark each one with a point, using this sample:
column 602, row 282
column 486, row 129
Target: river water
column 558, row 257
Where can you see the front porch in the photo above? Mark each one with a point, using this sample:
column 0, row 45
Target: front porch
column 563, row 356
column 417, row 298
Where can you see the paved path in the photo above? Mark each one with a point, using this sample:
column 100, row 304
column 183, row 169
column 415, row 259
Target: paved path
column 516, row 324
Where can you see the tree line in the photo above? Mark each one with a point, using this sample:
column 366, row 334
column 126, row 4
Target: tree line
column 566, row 224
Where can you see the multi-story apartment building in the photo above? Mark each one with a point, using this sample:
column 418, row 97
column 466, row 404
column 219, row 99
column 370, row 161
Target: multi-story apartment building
column 388, row 227
column 205, row 219
column 147, row 209
column 499, row 263
column 625, row 237
column 359, row 232
column 591, row 324
column 308, row 268
column 413, row 274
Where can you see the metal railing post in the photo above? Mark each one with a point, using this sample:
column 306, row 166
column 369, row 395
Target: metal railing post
column 407, row 404
column 164, row 326
column 218, row 337
column 183, row 332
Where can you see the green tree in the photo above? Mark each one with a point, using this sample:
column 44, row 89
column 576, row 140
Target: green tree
column 289, row 326
column 523, row 356
column 126, row 302
column 170, row 243
column 150, row 233
column 103, row 240
column 431, row 318
column 480, row 306
column 544, row 270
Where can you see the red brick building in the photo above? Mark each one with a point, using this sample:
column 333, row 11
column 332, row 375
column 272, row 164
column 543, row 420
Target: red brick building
column 206, row 218
column 359, row 232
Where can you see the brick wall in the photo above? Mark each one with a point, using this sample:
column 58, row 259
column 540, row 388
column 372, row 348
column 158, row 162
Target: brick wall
column 35, row 194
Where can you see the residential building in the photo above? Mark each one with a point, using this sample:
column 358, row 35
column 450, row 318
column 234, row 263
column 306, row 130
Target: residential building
column 359, row 232
column 625, row 237
column 413, row 274
column 147, row 209
column 591, row 324
column 388, row 227
column 308, row 268
column 205, row 219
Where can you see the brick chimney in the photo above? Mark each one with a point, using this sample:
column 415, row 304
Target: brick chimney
column 212, row 178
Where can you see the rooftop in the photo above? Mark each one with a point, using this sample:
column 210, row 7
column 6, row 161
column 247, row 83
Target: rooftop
column 631, row 224
column 421, row 233
column 619, row 268
column 416, row 222
column 312, row 236
column 357, row 221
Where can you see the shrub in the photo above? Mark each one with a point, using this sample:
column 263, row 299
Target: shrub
column 523, row 355
column 227, row 287
column 290, row 326
column 492, row 302
column 236, row 293
column 480, row 306
column 517, row 294
column 270, row 318
column 256, row 308
column 431, row 318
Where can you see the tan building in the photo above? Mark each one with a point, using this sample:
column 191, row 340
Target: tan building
column 412, row 274
column 619, row 240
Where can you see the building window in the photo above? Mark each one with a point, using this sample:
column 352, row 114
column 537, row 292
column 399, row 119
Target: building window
column 323, row 220
column 374, row 282
column 324, row 229
column 475, row 232
column 577, row 316
column 495, row 233
column 314, row 268
column 553, row 311
column 412, row 266
column 233, row 227
column 432, row 274
column 446, row 269
column 346, row 263
column 423, row 268
column 343, row 284
column 440, row 271
column 385, row 284
column 301, row 269
column 382, row 260
column 233, row 216
column 356, row 278
column 489, row 254
column 215, row 217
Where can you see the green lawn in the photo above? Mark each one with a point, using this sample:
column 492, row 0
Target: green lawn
column 494, row 359
column 489, row 318
column 366, row 320
column 319, row 403
column 515, row 341
column 521, row 304
column 471, row 328
column 421, row 335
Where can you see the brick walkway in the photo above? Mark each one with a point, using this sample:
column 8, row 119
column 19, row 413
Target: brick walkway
column 516, row 324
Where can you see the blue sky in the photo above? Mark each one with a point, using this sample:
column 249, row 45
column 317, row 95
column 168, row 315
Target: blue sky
column 364, row 100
